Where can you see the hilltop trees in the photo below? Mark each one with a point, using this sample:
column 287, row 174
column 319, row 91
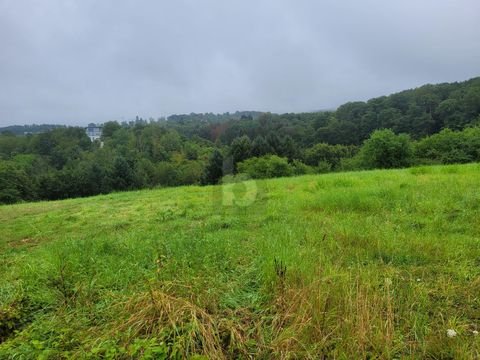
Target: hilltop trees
column 109, row 128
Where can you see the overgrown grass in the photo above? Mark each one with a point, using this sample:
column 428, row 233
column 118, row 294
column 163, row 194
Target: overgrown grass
column 375, row 264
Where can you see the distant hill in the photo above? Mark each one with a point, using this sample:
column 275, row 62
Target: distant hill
column 214, row 118
column 29, row 129
column 419, row 112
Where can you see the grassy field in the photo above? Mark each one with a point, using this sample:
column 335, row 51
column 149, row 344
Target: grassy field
column 360, row 265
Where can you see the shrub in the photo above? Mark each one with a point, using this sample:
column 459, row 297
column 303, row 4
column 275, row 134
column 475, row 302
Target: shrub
column 449, row 147
column 329, row 154
column 266, row 167
column 384, row 149
column 300, row 168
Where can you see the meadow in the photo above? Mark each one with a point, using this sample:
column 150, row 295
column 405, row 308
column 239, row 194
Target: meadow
column 360, row 265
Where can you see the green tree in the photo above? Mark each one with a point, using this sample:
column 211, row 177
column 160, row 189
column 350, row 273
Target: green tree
column 260, row 147
column 472, row 101
column 326, row 153
column 109, row 128
column 191, row 150
column 384, row 149
column 171, row 141
column 123, row 176
column 288, row 148
column 240, row 149
column 450, row 114
column 449, row 147
column 166, row 174
column 214, row 169
column 15, row 185
column 274, row 141
column 269, row 166
column 190, row 172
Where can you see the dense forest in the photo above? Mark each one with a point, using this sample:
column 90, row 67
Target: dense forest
column 432, row 124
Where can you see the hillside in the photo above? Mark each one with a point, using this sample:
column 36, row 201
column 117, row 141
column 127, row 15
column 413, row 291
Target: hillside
column 346, row 265
column 441, row 123
column 419, row 112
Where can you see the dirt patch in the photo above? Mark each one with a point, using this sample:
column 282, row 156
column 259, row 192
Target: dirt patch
column 25, row 242
column 15, row 316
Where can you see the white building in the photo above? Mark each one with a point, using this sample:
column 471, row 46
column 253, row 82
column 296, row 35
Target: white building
column 94, row 132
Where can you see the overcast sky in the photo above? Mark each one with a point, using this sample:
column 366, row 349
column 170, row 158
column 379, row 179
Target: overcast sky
column 78, row 61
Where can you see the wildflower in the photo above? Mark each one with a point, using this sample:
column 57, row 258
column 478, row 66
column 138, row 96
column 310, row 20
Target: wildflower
column 475, row 333
column 451, row 333
column 418, row 280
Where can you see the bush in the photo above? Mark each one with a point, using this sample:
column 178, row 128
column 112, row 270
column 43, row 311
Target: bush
column 385, row 150
column 351, row 164
column 323, row 167
column 449, row 147
column 266, row 167
column 328, row 154
column 300, row 168
column 166, row 174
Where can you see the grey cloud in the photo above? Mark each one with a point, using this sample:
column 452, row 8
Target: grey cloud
column 76, row 61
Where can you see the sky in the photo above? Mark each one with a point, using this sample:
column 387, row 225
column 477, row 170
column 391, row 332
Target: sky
column 79, row 61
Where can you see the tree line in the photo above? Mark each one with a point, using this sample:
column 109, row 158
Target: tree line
column 433, row 124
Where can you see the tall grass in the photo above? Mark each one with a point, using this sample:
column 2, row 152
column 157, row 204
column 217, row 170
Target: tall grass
column 376, row 264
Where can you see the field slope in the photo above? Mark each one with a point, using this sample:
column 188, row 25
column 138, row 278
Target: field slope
column 376, row 264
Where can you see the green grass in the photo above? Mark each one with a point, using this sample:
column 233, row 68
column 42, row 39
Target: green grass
column 375, row 264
